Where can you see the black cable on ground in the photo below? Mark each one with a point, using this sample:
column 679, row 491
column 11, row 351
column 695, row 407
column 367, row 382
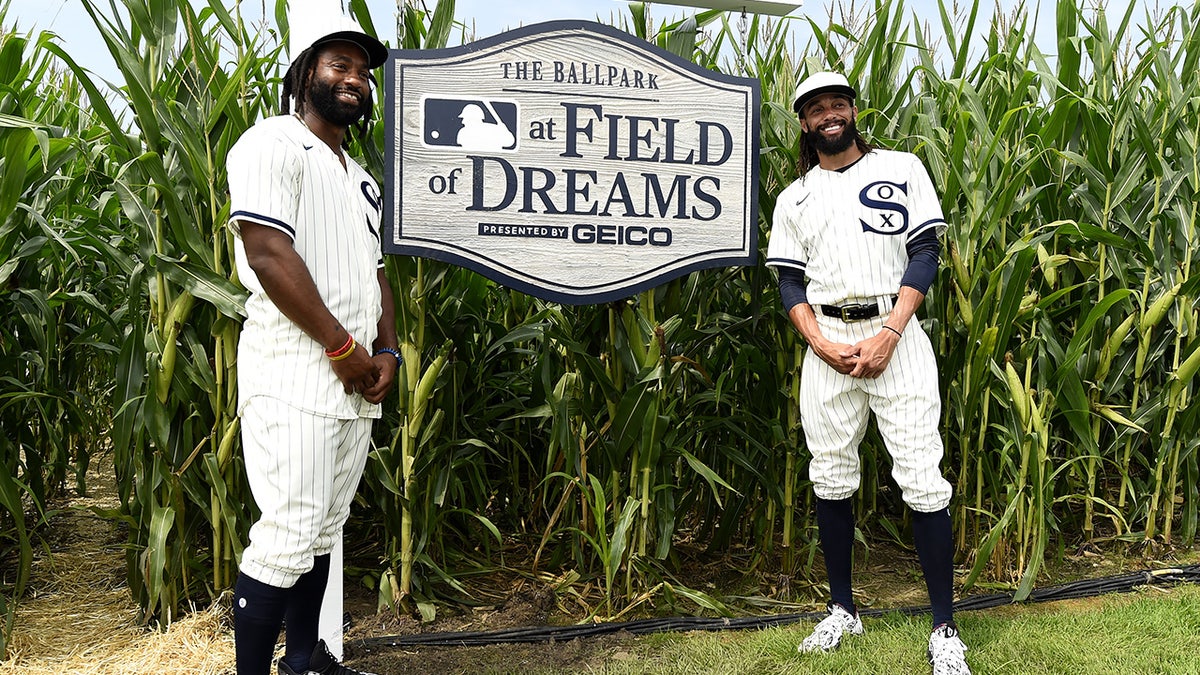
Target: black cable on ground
column 1121, row 583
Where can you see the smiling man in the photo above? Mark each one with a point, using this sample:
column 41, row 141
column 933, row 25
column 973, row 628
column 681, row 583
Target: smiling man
column 318, row 348
column 855, row 242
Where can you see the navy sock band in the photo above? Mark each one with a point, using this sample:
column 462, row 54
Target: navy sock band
column 303, row 616
column 257, row 615
column 835, row 525
column 935, row 547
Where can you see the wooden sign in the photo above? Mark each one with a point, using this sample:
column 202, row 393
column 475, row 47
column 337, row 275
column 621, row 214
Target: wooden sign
column 571, row 161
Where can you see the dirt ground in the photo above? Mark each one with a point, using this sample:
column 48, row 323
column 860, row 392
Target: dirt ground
column 78, row 617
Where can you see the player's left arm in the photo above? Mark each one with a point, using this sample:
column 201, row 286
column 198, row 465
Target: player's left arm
column 385, row 338
column 876, row 352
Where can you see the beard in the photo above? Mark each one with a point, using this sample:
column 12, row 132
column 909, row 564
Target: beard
column 836, row 144
column 323, row 100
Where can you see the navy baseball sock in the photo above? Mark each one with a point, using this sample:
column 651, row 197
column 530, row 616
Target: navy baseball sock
column 303, row 616
column 835, row 525
column 935, row 548
column 257, row 614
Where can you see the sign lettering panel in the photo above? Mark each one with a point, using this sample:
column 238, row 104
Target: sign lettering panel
column 571, row 161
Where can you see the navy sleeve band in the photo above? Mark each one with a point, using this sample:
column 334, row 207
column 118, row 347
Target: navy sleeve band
column 792, row 287
column 923, row 252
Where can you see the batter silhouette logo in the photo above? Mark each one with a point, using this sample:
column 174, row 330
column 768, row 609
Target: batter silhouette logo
column 571, row 161
column 470, row 124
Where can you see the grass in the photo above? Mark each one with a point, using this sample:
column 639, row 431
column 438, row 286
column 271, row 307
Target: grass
column 1149, row 631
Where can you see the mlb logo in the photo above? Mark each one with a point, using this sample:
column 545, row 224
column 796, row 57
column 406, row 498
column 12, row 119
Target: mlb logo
column 469, row 124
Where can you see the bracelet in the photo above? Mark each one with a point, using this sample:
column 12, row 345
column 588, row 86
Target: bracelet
column 887, row 327
column 343, row 350
column 345, row 354
column 393, row 352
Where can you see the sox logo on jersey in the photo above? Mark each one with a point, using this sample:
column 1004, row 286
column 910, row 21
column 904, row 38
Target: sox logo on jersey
column 878, row 196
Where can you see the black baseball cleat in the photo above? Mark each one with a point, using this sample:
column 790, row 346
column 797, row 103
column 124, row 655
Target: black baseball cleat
column 321, row 663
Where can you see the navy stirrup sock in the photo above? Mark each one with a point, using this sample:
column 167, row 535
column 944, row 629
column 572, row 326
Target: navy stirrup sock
column 303, row 616
column 257, row 615
column 835, row 525
column 935, row 547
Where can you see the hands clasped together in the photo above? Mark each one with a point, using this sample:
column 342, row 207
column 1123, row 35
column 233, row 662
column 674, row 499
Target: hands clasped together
column 866, row 358
column 370, row 376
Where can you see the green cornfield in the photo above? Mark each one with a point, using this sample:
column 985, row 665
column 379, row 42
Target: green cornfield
column 594, row 448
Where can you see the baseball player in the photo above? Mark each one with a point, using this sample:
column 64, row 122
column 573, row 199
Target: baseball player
column 318, row 348
column 855, row 242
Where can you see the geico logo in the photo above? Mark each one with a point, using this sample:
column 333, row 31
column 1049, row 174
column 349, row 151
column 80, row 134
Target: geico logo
column 628, row 235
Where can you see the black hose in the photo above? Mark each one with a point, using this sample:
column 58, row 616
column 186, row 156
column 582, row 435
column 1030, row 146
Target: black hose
column 1084, row 588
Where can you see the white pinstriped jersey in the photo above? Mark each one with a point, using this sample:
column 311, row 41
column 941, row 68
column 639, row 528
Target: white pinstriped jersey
column 847, row 230
column 284, row 177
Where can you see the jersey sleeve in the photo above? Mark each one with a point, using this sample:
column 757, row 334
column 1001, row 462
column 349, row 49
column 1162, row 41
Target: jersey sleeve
column 264, row 178
column 925, row 208
column 785, row 248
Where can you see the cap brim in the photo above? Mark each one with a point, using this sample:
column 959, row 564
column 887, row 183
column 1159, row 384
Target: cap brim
column 376, row 52
column 827, row 89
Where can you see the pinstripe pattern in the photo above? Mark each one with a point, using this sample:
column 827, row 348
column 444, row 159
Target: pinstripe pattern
column 907, row 407
column 305, row 439
column 848, row 231
column 820, row 220
column 282, row 176
column 303, row 471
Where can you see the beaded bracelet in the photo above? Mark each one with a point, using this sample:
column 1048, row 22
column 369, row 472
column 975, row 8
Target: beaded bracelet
column 393, row 352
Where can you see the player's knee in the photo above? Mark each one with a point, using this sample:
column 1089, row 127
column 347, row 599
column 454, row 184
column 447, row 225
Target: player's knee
column 926, row 500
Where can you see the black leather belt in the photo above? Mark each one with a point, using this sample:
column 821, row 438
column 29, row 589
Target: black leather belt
column 853, row 311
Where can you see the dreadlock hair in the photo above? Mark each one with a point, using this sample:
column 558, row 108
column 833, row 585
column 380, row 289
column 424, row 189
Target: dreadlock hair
column 295, row 84
column 807, row 157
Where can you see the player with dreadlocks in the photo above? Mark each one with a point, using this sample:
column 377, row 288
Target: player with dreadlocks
column 855, row 242
column 318, row 348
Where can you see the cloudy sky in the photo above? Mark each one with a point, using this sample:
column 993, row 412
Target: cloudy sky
column 488, row 17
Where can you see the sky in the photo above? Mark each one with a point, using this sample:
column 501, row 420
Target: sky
column 71, row 23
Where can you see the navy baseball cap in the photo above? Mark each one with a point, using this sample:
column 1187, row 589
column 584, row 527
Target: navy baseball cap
column 821, row 83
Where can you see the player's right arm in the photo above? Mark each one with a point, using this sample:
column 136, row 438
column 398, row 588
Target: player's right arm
column 264, row 184
column 840, row 356
column 287, row 282
column 789, row 257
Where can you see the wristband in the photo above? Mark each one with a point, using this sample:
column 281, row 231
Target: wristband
column 345, row 354
column 343, row 350
column 393, row 352
column 893, row 330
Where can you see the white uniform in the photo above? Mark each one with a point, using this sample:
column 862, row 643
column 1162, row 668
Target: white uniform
column 305, row 440
column 847, row 232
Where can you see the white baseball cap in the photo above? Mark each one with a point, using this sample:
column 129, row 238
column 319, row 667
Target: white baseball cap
column 821, row 83
column 317, row 22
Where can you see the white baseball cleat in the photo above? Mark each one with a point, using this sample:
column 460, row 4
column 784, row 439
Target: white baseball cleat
column 947, row 653
column 828, row 634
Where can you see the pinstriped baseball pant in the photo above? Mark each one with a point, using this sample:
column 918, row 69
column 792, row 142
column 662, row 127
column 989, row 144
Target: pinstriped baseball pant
column 303, row 471
column 907, row 407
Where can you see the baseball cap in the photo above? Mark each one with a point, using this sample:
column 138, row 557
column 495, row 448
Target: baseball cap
column 821, row 83
column 314, row 23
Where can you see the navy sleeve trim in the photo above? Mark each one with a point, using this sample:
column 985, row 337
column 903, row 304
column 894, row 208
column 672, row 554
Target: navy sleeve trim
column 925, row 227
column 786, row 262
column 264, row 220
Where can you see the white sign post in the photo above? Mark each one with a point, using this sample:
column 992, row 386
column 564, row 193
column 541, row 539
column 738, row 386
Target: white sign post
column 571, row 161
column 330, row 625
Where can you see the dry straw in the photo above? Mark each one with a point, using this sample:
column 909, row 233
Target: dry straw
column 103, row 638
